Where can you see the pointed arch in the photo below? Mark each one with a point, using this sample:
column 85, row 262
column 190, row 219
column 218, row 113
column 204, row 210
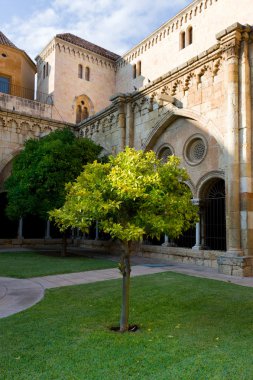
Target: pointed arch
column 173, row 114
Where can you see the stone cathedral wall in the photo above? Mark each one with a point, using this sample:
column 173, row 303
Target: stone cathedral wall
column 161, row 52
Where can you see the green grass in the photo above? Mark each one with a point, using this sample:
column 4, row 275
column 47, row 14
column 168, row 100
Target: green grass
column 33, row 264
column 190, row 329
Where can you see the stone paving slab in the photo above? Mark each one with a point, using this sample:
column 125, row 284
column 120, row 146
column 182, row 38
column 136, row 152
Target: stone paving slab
column 69, row 279
column 18, row 295
column 3, row 291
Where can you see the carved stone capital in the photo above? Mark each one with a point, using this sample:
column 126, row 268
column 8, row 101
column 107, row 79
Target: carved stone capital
column 231, row 49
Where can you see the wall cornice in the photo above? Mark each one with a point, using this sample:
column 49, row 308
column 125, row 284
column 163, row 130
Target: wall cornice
column 171, row 26
column 83, row 54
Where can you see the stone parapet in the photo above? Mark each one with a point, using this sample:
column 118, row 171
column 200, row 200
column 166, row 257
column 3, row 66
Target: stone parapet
column 27, row 106
column 236, row 266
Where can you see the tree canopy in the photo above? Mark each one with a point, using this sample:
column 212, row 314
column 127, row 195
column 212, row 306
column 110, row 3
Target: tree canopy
column 132, row 195
column 40, row 171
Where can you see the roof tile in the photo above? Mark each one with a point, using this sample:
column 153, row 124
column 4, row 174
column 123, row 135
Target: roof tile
column 5, row 41
column 87, row 45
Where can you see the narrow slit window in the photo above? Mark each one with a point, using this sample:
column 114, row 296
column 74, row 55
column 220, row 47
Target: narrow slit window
column 78, row 114
column 80, row 71
column 189, row 35
column 182, row 40
column 87, row 73
column 138, row 68
column 134, row 71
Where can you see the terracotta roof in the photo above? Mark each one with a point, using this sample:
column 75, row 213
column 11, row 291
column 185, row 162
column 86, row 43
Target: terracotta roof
column 87, row 45
column 5, row 41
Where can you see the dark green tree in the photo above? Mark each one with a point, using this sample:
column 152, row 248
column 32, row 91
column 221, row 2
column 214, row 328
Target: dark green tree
column 40, row 171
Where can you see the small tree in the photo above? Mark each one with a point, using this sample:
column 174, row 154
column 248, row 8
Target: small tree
column 132, row 195
column 40, row 171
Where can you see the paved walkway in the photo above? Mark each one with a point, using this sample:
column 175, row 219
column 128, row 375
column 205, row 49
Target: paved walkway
column 17, row 295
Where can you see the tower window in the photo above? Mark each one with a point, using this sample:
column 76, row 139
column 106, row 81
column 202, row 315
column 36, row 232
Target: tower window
column 186, row 38
column 189, row 35
column 182, row 40
column 80, row 71
column 134, row 71
column 138, row 68
column 87, row 73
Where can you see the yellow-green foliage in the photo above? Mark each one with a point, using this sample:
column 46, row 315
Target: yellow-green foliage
column 133, row 194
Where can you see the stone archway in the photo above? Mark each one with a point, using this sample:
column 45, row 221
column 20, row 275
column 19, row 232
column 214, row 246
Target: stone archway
column 171, row 116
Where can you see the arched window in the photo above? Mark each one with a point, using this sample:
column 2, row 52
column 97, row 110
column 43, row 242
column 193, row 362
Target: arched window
column 78, row 113
column 165, row 153
column 138, row 68
column 87, row 73
column 82, row 112
column 47, row 69
column 44, row 71
column 80, row 71
column 189, row 35
column 84, row 108
column 182, row 40
column 134, row 71
column 85, row 113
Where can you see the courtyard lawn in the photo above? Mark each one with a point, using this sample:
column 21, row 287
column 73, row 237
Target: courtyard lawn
column 190, row 328
column 33, row 264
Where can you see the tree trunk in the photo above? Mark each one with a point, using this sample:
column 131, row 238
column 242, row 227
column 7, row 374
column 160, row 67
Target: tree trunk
column 125, row 268
column 64, row 245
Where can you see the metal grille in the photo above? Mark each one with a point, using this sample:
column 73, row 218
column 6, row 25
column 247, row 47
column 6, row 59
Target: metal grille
column 197, row 150
column 187, row 239
column 7, row 88
column 215, row 220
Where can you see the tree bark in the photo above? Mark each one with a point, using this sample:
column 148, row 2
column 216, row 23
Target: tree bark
column 125, row 268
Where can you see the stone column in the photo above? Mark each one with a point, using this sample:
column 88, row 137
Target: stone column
column 119, row 101
column 20, row 229
column 97, row 234
column 48, row 230
column 166, row 241
column 230, row 46
column 245, row 121
column 198, row 243
column 130, row 124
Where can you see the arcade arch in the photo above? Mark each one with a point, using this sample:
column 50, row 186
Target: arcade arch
column 212, row 201
column 182, row 131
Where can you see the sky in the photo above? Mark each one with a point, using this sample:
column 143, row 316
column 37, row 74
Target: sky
column 116, row 25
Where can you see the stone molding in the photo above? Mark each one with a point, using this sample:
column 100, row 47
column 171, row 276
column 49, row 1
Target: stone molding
column 171, row 116
column 83, row 54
